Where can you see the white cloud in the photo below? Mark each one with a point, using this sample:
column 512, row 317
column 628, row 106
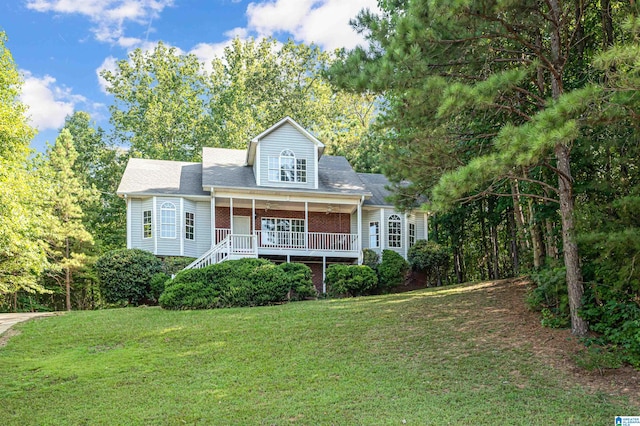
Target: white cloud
column 323, row 22
column 108, row 16
column 48, row 103
column 109, row 64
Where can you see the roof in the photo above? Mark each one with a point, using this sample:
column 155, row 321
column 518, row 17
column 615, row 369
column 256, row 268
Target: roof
column 251, row 150
column 161, row 177
column 226, row 168
column 376, row 184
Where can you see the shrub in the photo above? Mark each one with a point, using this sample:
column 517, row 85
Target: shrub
column 353, row 280
column 299, row 280
column 243, row 282
column 125, row 275
column 171, row 265
column 370, row 258
column 550, row 296
column 391, row 270
column 157, row 285
column 431, row 258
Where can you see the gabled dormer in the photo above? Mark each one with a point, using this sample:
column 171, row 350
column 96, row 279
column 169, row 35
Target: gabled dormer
column 285, row 156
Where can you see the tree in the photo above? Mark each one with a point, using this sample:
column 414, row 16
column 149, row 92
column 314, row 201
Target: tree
column 23, row 218
column 69, row 240
column 481, row 95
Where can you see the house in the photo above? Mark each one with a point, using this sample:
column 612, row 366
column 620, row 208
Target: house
column 281, row 199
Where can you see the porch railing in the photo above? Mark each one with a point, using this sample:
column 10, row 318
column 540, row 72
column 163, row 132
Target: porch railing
column 324, row 241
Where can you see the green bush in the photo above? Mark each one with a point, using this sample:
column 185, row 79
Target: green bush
column 157, row 285
column 299, row 280
column 353, row 280
column 550, row 297
column 243, row 282
column 125, row 275
column 431, row 258
column 392, row 270
column 370, row 258
column 171, row 265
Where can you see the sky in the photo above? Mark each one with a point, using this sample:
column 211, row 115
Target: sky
column 60, row 46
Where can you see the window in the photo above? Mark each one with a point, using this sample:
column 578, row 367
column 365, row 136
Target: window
column 189, row 225
column 283, row 232
column 168, row 220
column 374, row 234
column 287, row 168
column 146, row 224
column 412, row 234
column 395, row 231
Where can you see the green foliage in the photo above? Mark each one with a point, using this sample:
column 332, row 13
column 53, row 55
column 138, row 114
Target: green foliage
column 598, row 358
column 352, row 280
column 550, row 296
column 392, row 270
column 298, row 276
column 171, row 265
column 430, row 257
column 157, row 284
column 125, row 275
column 243, row 282
column 370, row 258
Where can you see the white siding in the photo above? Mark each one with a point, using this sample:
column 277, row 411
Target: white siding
column 387, row 214
column 203, row 228
column 286, row 137
column 367, row 217
column 168, row 246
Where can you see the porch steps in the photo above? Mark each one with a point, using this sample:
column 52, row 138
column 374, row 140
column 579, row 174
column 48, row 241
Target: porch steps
column 231, row 247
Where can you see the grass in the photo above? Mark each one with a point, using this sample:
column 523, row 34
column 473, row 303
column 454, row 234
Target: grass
column 426, row 357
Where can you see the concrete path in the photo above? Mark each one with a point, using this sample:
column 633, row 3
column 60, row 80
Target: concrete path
column 8, row 320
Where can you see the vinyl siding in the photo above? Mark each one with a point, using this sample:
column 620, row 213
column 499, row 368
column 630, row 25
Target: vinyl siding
column 169, row 246
column 203, row 228
column 287, row 137
column 138, row 206
column 367, row 217
column 387, row 214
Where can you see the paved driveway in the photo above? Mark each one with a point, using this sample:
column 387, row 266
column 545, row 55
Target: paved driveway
column 8, row 320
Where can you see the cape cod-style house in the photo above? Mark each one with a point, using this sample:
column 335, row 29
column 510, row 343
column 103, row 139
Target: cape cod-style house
column 280, row 199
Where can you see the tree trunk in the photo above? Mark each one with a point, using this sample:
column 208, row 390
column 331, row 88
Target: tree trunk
column 513, row 244
column 536, row 238
column 518, row 215
column 67, row 280
column 579, row 327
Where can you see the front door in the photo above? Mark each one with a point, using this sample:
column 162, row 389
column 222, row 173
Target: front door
column 241, row 225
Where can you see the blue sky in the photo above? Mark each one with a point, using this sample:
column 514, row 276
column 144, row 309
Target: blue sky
column 60, row 46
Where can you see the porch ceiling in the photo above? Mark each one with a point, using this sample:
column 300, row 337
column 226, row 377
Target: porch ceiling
column 288, row 205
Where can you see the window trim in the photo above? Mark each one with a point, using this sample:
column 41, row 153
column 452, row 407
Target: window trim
column 187, row 226
column 168, row 207
column 276, row 170
column 394, row 231
column 147, row 221
column 271, row 237
column 376, row 235
column 412, row 234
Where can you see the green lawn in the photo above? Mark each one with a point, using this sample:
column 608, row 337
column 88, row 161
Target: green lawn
column 428, row 357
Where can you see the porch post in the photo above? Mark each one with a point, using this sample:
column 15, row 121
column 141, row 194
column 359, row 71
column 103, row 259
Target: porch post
column 181, row 226
column 154, row 226
column 213, row 220
column 231, row 214
column 382, row 235
column 406, row 235
column 253, row 216
column 306, row 224
column 360, row 231
column 324, row 274
column 426, row 226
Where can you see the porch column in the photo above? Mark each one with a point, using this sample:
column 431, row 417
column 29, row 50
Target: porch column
column 406, row 235
column 359, row 227
column 426, row 226
column 181, row 226
column 154, row 226
column 306, row 224
column 213, row 220
column 231, row 214
column 324, row 274
column 382, row 235
column 253, row 216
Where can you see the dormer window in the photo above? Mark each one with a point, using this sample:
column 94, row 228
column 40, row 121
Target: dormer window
column 287, row 168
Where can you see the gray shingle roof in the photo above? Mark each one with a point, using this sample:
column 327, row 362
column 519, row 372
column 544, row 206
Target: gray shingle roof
column 161, row 177
column 226, row 168
column 376, row 184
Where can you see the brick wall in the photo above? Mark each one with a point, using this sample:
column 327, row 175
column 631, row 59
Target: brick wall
column 318, row 221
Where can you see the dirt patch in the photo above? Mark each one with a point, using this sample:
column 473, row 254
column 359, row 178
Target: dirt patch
column 520, row 326
column 4, row 338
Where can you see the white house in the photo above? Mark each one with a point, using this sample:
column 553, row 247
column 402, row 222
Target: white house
column 281, row 199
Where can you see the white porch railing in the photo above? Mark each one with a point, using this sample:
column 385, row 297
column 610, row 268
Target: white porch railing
column 323, row 241
column 217, row 254
column 231, row 247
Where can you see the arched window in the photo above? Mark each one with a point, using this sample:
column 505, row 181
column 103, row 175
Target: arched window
column 168, row 220
column 287, row 168
column 395, row 231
